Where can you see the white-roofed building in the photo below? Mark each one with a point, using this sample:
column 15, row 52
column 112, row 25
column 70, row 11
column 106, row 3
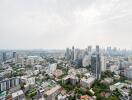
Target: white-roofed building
column 52, row 68
column 117, row 86
column 38, row 67
column 87, row 82
column 70, row 79
column 28, row 80
column 86, row 60
column 18, row 95
column 52, row 93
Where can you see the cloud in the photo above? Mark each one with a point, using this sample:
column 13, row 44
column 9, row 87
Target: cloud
column 60, row 23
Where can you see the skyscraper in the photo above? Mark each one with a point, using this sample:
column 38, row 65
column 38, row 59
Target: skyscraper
column 103, row 63
column 77, row 54
column 97, row 48
column 96, row 64
column 89, row 49
column 68, row 54
column 72, row 53
column 93, row 63
column 4, row 57
column 14, row 54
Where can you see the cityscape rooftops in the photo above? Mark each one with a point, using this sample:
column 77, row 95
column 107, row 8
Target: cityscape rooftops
column 88, row 80
column 18, row 93
column 117, row 86
column 54, row 89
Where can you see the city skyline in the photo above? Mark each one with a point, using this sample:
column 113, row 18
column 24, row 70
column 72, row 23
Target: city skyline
column 57, row 24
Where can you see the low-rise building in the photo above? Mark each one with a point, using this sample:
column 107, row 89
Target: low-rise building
column 108, row 80
column 51, row 68
column 3, row 95
column 52, row 93
column 85, row 97
column 70, row 79
column 116, row 77
column 57, row 73
column 87, row 82
column 117, row 86
column 38, row 67
column 28, row 80
column 128, row 73
column 61, row 97
column 18, row 95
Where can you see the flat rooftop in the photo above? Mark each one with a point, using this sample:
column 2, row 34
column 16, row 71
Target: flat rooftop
column 54, row 89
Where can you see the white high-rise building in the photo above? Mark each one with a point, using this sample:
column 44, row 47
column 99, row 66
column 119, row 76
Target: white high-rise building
column 77, row 54
column 114, row 68
column 68, row 54
column 103, row 63
column 86, row 60
column 128, row 72
column 52, row 68
column 30, row 61
column 130, row 59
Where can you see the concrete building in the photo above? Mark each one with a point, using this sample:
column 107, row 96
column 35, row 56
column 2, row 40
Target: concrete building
column 28, row 80
column 77, row 54
column 9, row 83
column 114, row 68
column 4, row 57
column 3, row 95
column 57, row 73
column 96, row 64
column 117, row 86
column 124, row 65
column 72, row 53
column 30, row 61
column 61, row 97
column 89, row 49
column 38, row 67
column 130, row 59
column 20, row 60
column 70, row 79
column 128, row 73
column 103, row 63
column 87, row 82
column 52, row 68
column 18, row 95
column 97, row 49
column 86, row 61
column 68, row 54
column 14, row 54
column 52, row 93
column 108, row 80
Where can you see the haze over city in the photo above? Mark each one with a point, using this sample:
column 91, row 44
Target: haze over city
column 57, row 24
column 65, row 50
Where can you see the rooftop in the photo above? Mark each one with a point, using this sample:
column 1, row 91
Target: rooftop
column 88, row 80
column 18, row 93
column 54, row 89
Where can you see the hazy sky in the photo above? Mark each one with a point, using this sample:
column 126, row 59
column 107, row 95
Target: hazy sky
column 52, row 24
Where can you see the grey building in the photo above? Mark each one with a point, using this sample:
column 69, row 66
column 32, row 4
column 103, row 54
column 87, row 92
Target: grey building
column 14, row 54
column 96, row 64
column 68, row 54
column 72, row 53
column 9, row 83
column 4, row 58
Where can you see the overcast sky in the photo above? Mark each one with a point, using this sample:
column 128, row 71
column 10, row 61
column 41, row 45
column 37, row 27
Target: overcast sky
column 57, row 24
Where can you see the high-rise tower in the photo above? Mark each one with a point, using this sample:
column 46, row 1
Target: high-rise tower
column 96, row 64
